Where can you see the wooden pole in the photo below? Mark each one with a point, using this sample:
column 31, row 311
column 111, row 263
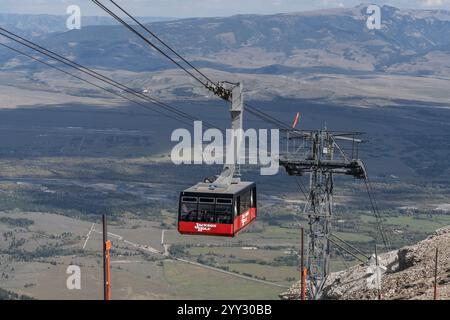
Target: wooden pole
column 302, row 265
column 436, row 274
column 106, row 262
column 378, row 274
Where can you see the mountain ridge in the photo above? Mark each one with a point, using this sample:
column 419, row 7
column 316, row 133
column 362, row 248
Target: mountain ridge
column 35, row 25
column 318, row 41
column 328, row 54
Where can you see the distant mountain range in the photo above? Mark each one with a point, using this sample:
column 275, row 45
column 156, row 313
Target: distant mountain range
column 282, row 43
column 337, row 41
column 37, row 25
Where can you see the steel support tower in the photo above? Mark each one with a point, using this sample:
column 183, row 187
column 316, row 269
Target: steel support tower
column 318, row 154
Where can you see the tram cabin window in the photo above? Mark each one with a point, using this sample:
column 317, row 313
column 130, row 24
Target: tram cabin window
column 245, row 202
column 224, row 211
column 206, row 210
column 189, row 209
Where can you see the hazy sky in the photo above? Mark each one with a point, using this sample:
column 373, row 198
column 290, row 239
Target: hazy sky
column 195, row 8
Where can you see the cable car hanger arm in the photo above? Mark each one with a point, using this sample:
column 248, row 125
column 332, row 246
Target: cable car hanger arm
column 231, row 171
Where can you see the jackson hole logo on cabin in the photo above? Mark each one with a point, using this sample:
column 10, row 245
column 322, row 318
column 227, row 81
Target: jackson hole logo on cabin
column 200, row 227
column 244, row 218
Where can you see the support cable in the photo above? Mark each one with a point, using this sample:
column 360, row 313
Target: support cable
column 258, row 113
column 91, row 83
column 98, row 76
column 301, row 188
column 346, row 250
column 350, row 245
column 376, row 213
column 160, row 40
column 128, row 26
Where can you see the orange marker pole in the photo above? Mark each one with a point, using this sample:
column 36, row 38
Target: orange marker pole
column 305, row 272
column 296, row 120
column 106, row 262
column 108, row 271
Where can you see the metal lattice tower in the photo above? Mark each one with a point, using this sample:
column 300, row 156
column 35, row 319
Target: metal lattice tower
column 318, row 154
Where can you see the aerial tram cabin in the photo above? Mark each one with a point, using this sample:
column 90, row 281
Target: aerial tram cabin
column 225, row 211
column 225, row 205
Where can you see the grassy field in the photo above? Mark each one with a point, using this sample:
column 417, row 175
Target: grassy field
column 191, row 282
column 417, row 223
column 269, row 273
column 238, row 253
column 354, row 237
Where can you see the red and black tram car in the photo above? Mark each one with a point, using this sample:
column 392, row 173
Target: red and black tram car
column 217, row 211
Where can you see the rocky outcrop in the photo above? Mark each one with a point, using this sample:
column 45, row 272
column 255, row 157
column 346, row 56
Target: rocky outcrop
column 409, row 274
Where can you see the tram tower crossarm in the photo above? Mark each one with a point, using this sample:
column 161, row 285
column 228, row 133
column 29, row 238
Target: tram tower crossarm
column 295, row 167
